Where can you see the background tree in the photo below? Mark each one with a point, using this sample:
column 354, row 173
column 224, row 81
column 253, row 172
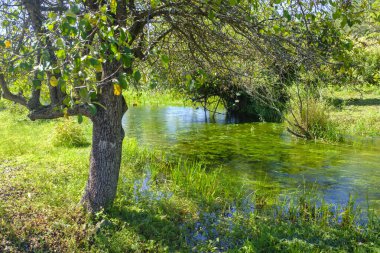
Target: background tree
column 74, row 58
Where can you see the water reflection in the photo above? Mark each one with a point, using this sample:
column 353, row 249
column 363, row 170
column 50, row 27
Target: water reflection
column 254, row 152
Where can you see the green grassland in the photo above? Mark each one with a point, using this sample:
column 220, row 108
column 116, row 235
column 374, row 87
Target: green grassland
column 357, row 110
column 162, row 205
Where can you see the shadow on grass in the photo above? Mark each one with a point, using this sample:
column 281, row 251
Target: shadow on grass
column 12, row 241
column 164, row 229
column 132, row 228
column 338, row 102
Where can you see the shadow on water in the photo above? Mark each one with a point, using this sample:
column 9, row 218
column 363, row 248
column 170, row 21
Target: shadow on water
column 258, row 152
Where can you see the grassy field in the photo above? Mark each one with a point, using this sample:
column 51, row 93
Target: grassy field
column 357, row 111
column 161, row 206
column 143, row 97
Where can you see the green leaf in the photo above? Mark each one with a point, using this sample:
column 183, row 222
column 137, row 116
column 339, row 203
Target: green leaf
column 66, row 29
column 36, row 83
column 232, row 2
column 83, row 93
column 40, row 75
column 67, row 101
column 71, row 14
column 287, row 15
column 154, row 3
column 130, row 38
column 122, row 80
column 60, row 43
column 344, row 22
column 25, row 66
column 62, row 84
column 80, row 118
column 123, row 35
column 71, row 20
column 93, row 109
column 114, row 48
column 336, row 14
column 165, row 60
column 61, row 54
column 113, row 6
column 118, row 56
column 103, row 9
column 136, row 75
column 276, row 28
column 50, row 27
column 211, row 14
column 93, row 62
column 85, row 28
column 75, row 9
column 127, row 60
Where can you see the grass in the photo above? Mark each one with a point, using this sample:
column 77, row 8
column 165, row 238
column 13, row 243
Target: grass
column 356, row 110
column 313, row 121
column 341, row 114
column 161, row 206
column 69, row 133
column 155, row 97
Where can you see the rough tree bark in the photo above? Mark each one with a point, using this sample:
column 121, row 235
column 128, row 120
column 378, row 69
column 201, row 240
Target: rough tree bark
column 105, row 159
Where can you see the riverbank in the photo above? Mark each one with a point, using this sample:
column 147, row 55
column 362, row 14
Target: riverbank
column 356, row 111
column 161, row 205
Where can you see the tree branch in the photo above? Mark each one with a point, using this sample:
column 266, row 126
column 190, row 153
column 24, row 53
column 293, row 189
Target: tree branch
column 53, row 112
column 7, row 94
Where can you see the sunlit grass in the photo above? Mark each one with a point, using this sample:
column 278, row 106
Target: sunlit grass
column 155, row 97
column 162, row 205
column 357, row 110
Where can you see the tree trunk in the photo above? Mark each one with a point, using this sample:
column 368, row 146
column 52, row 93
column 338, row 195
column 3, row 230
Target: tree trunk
column 107, row 138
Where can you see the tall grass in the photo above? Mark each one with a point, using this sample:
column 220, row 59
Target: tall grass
column 309, row 118
column 69, row 134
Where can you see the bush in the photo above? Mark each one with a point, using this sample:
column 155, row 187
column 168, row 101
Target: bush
column 69, row 134
column 310, row 119
column 13, row 108
column 367, row 63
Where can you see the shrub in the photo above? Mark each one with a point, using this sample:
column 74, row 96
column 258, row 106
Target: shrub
column 310, row 119
column 69, row 134
column 13, row 108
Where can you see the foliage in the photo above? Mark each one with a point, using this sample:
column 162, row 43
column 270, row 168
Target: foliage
column 368, row 65
column 309, row 118
column 69, row 134
column 74, row 43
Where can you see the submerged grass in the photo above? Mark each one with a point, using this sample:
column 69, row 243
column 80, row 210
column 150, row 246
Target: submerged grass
column 162, row 205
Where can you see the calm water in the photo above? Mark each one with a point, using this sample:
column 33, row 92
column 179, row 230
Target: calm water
column 263, row 153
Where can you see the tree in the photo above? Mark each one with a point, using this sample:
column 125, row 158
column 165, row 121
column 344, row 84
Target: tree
column 80, row 55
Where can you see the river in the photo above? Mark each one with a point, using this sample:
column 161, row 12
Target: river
column 263, row 153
